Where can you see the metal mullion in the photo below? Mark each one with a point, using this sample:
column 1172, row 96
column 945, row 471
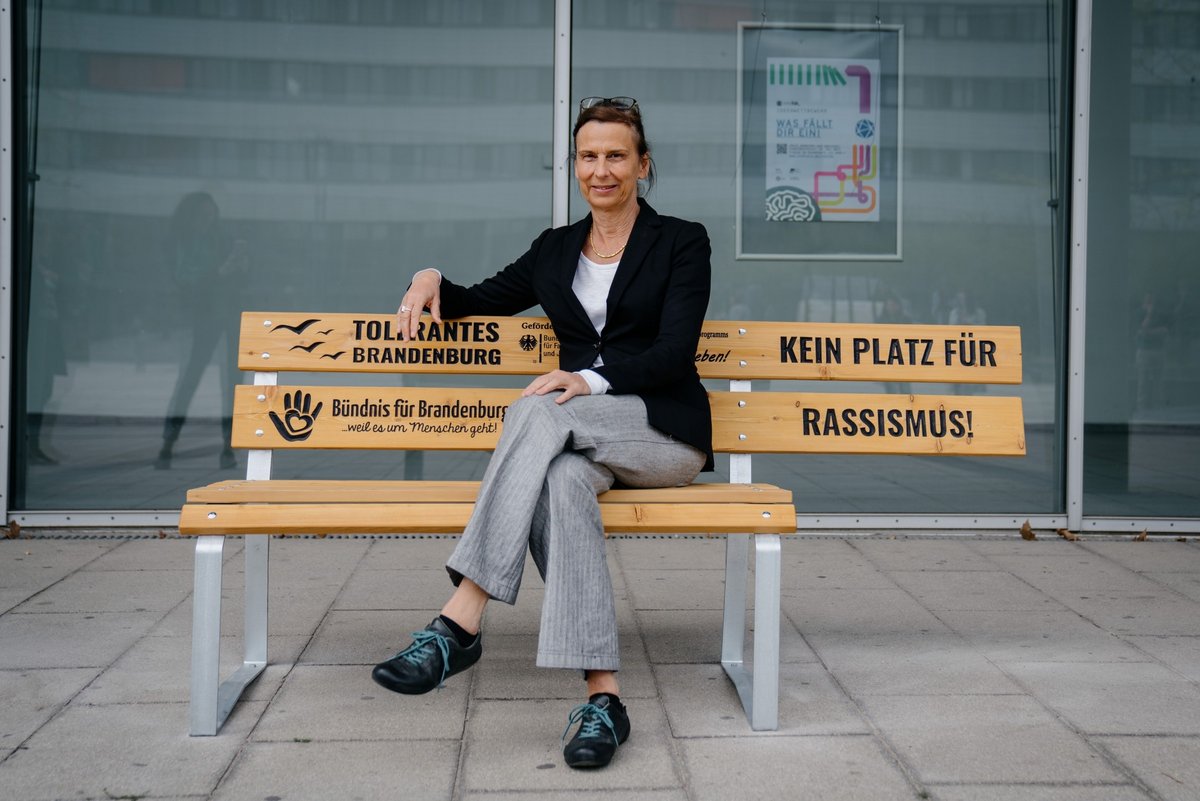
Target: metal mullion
column 1077, row 264
column 562, row 109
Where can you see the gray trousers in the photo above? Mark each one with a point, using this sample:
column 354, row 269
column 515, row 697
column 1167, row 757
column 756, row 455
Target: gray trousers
column 539, row 491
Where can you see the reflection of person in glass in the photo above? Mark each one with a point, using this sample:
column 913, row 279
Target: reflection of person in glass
column 208, row 268
column 1150, row 350
column 626, row 291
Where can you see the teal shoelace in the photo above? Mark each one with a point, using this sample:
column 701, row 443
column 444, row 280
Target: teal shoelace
column 424, row 642
column 593, row 717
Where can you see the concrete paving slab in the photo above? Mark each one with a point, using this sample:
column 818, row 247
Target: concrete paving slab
column 972, row 591
column 1038, row 792
column 847, row 570
column 11, row 598
column 695, row 637
column 158, row 670
column 357, row 771
column 516, row 745
column 341, row 702
column 363, row 637
column 582, row 795
column 1136, row 613
column 676, row 589
column 289, row 612
column 30, row 698
column 1047, row 546
column 424, row 553
column 34, row 564
column 772, row 768
column 112, row 591
column 927, row 555
column 669, row 553
column 73, row 639
column 938, row 663
column 1107, row 698
column 1186, row 584
column 171, row 553
column 984, row 738
column 1181, row 654
column 123, row 750
column 1082, row 572
column 1045, row 636
column 1167, row 764
column 395, row 589
column 860, row 612
column 1165, row 556
column 701, row 701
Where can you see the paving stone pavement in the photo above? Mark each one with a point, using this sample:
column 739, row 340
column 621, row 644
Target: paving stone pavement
column 953, row 668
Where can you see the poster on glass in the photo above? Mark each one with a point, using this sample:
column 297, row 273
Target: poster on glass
column 820, row 131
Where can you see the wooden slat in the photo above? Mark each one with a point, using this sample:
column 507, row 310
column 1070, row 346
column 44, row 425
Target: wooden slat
column 797, row 422
column 449, row 518
column 314, row 342
column 332, row 491
column 756, row 422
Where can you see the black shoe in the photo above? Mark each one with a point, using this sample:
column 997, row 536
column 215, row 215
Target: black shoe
column 603, row 725
column 434, row 656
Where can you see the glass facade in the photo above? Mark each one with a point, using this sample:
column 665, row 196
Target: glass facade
column 197, row 159
column 1142, row 423
column 982, row 91
column 193, row 159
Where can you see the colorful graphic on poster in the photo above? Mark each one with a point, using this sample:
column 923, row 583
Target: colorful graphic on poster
column 822, row 140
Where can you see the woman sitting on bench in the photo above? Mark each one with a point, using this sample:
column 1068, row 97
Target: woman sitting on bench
column 626, row 291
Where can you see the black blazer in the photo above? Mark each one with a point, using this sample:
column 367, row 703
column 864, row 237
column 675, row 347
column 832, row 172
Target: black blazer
column 656, row 306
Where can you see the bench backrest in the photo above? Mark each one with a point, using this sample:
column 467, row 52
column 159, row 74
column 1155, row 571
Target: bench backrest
column 388, row 416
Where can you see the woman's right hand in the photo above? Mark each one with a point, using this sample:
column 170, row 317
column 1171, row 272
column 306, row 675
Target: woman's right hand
column 425, row 292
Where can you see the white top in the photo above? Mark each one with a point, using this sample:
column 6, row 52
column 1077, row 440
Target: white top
column 591, row 285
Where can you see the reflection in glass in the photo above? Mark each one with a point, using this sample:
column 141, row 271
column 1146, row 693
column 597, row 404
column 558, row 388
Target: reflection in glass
column 198, row 159
column 1142, row 422
column 982, row 216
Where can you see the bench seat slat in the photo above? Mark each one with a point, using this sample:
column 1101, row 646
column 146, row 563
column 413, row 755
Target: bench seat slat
column 320, row 491
column 451, row 518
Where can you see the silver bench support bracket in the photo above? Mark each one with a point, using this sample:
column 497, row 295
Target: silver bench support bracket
column 211, row 699
column 758, row 688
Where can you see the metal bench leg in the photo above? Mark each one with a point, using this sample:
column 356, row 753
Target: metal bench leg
column 212, row 699
column 257, row 550
column 733, row 632
column 759, row 691
column 764, row 711
column 206, row 636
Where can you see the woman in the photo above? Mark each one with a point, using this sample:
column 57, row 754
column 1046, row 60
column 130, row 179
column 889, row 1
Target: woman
column 626, row 291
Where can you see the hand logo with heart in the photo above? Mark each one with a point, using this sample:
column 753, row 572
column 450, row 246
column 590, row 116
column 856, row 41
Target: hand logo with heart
column 297, row 421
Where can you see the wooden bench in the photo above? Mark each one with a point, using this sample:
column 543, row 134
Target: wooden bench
column 270, row 417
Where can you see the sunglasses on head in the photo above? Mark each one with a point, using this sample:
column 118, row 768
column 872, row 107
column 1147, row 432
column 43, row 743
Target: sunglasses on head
column 622, row 103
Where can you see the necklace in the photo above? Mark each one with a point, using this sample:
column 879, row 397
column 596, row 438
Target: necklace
column 605, row 255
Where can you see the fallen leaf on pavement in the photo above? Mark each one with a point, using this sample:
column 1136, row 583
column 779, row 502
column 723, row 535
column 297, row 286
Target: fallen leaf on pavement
column 1141, row 537
column 1027, row 531
column 1067, row 534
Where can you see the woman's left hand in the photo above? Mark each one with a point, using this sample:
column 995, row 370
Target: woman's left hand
column 571, row 384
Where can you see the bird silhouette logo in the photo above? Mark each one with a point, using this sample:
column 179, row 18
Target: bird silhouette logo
column 307, row 348
column 297, row 329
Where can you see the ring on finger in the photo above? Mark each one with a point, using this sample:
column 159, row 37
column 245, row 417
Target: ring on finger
column 405, row 309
